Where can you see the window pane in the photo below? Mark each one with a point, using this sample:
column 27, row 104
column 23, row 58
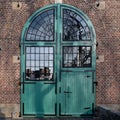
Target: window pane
column 74, row 27
column 78, row 56
column 39, row 63
column 42, row 27
column 28, row 56
column 50, row 56
column 37, row 57
column 37, row 50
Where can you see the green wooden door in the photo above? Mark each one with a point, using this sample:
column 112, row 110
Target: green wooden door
column 78, row 62
column 39, row 85
column 76, row 93
column 38, row 65
column 58, row 63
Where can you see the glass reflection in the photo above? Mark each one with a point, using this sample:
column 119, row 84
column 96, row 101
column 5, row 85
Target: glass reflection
column 77, row 56
column 42, row 27
column 74, row 27
column 39, row 63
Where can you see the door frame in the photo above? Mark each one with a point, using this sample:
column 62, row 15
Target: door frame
column 58, row 37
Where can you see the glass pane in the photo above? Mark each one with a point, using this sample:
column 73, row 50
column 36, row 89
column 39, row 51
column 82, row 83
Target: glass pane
column 32, row 57
column 27, row 63
column 37, row 57
column 37, row 50
column 78, row 56
column 50, row 63
column 32, row 49
column 28, row 56
column 39, row 63
column 42, row 27
column 42, row 50
column 27, row 50
column 46, row 63
column 74, row 27
column 50, row 56
column 42, row 56
column 50, row 50
column 46, row 49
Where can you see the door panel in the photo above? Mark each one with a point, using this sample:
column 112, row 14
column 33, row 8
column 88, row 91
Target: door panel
column 39, row 99
column 39, row 85
column 76, row 93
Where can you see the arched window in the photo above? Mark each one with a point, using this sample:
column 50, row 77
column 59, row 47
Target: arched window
column 75, row 27
column 41, row 27
column 70, row 31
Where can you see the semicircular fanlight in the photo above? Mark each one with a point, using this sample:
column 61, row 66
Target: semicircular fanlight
column 74, row 27
column 42, row 27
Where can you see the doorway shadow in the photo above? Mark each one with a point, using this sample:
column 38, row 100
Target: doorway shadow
column 2, row 116
column 43, row 94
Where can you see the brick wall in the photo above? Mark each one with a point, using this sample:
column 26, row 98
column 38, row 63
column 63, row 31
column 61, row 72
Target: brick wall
column 105, row 19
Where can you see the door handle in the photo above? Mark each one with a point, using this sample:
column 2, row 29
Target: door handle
column 67, row 92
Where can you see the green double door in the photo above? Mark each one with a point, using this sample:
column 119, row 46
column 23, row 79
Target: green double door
column 58, row 63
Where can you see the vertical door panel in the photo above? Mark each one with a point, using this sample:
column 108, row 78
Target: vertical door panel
column 39, row 99
column 78, row 55
column 76, row 93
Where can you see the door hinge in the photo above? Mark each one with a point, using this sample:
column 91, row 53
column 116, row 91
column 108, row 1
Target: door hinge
column 23, row 108
column 59, row 89
column 67, row 92
column 55, row 109
column 88, row 76
column 93, row 108
column 56, row 13
column 49, row 82
column 20, row 114
column 60, row 36
column 93, row 87
column 19, row 45
column 95, row 82
column 56, row 39
column 87, row 108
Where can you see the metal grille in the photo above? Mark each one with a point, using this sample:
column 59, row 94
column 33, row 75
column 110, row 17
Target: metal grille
column 42, row 27
column 39, row 63
column 76, row 56
column 74, row 27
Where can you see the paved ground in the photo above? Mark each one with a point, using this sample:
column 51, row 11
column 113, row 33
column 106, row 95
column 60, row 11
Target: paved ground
column 51, row 119
column 104, row 112
column 60, row 118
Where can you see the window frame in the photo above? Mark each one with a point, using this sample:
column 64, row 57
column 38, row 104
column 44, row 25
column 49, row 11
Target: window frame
column 71, row 53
